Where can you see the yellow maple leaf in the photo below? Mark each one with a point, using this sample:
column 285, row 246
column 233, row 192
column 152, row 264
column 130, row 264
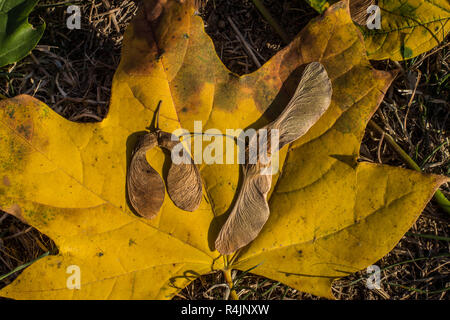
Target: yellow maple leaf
column 330, row 215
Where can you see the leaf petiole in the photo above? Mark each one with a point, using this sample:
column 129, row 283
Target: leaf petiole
column 229, row 279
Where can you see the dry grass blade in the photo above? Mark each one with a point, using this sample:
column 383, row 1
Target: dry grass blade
column 251, row 210
column 144, row 185
column 184, row 183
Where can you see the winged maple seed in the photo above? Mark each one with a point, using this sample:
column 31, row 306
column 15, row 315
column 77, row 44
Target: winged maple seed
column 184, row 183
column 251, row 210
column 145, row 186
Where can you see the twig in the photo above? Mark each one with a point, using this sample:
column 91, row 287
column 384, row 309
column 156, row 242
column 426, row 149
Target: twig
column 5, row 215
column 18, row 233
column 419, row 75
column 110, row 12
column 440, row 198
column 244, row 43
column 86, row 115
column 380, row 144
column 428, row 236
column 112, row 15
column 58, row 4
column 80, row 100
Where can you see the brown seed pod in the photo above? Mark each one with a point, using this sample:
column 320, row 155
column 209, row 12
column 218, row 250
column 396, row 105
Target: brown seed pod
column 144, row 185
column 251, row 210
column 184, row 183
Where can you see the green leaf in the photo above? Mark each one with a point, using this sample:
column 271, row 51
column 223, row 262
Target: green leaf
column 17, row 36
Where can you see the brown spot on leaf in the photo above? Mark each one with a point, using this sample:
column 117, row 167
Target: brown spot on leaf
column 25, row 130
column 141, row 59
column 6, row 181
